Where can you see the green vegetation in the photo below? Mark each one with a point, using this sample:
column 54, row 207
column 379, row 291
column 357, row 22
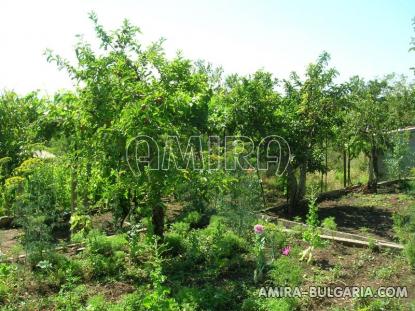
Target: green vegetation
column 100, row 228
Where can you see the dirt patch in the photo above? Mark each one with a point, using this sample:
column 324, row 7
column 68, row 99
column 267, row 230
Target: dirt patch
column 340, row 265
column 368, row 215
column 102, row 221
column 8, row 239
column 112, row 291
column 377, row 222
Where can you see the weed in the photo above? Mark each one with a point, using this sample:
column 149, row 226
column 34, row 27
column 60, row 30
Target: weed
column 329, row 223
column 384, row 273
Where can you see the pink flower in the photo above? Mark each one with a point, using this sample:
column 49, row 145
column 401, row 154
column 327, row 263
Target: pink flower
column 286, row 250
column 259, row 229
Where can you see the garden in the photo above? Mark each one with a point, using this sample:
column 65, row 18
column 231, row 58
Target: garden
column 89, row 220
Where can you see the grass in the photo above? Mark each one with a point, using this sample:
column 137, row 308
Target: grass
column 358, row 173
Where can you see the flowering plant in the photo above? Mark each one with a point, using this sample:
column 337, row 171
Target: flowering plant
column 259, row 252
column 259, row 229
column 286, row 250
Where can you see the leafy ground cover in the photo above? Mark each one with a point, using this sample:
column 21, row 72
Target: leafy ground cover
column 211, row 268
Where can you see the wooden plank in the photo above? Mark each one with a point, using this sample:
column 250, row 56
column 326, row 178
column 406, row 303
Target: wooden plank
column 361, row 241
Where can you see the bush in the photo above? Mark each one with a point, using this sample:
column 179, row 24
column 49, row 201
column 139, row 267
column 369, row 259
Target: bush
column 193, row 218
column 136, row 241
column 206, row 298
column 154, row 296
column 37, row 198
column 105, row 255
column 97, row 303
column 285, row 271
column 410, row 252
column 37, row 239
column 98, row 243
column 255, row 303
column 404, row 224
column 367, row 304
column 275, row 239
column 189, row 296
column 239, row 205
column 229, row 245
column 278, row 304
column 329, row 223
column 174, row 243
column 180, row 228
column 81, row 224
column 71, row 299
column 70, row 271
column 145, row 299
column 216, row 242
column 4, row 292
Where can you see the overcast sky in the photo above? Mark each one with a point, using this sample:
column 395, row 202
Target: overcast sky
column 365, row 37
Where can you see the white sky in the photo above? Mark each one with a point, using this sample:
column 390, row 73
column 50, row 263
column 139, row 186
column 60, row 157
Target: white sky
column 369, row 38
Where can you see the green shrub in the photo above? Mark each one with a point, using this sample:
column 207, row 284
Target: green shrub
column 311, row 233
column 97, row 303
column 5, row 270
column 189, row 296
column 278, row 304
column 275, row 239
column 410, row 252
column 215, row 246
column 155, row 296
column 286, row 271
column 38, row 199
column 77, row 237
column 136, row 242
column 256, row 303
column 72, row 299
column 229, row 245
column 174, row 243
column 107, row 265
column 81, row 224
column 368, row 304
column 404, row 224
column 241, row 202
column 106, row 255
column 329, row 223
column 207, row 298
column 193, row 218
column 4, row 292
column 180, row 228
column 373, row 247
column 70, row 271
column 145, row 299
column 214, row 243
column 98, row 243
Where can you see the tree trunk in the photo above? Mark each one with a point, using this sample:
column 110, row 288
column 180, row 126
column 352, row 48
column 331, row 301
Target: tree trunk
column 85, row 200
column 74, row 189
column 349, row 160
column 264, row 201
column 125, row 208
column 158, row 219
column 302, row 181
column 327, row 164
column 375, row 166
column 344, row 168
column 156, row 205
column 292, row 189
column 373, row 170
